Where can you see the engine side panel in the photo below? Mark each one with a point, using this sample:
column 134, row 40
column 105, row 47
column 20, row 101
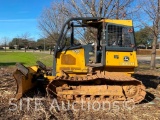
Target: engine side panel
column 121, row 59
column 71, row 61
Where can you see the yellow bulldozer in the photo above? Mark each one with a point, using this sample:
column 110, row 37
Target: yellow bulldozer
column 99, row 70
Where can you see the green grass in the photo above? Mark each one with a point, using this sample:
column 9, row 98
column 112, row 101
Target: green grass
column 27, row 58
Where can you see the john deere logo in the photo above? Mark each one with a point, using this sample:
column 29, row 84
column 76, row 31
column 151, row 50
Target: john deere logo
column 126, row 58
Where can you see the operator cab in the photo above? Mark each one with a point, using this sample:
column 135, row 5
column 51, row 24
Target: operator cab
column 96, row 36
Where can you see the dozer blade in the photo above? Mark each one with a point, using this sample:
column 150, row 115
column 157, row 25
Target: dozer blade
column 24, row 78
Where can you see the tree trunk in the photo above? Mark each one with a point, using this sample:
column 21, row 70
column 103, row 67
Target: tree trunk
column 25, row 49
column 154, row 44
column 51, row 50
column 5, row 47
column 153, row 54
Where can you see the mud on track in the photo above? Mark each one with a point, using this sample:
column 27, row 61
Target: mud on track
column 147, row 109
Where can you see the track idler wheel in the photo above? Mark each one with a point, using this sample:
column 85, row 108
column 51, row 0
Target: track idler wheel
column 134, row 92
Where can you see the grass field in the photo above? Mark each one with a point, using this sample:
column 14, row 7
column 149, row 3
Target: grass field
column 27, row 58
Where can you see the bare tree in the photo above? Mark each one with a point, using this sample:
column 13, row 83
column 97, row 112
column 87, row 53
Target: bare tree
column 51, row 21
column 25, row 38
column 97, row 8
column 151, row 18
column 5, row 42
column 53, row 18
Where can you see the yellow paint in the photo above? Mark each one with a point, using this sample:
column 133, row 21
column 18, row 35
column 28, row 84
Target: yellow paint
column 25, row 82
column 34, row 68
column 50, row 78
column 114, row 21
column 119, row 22
column 79, row 66
column 117, row 59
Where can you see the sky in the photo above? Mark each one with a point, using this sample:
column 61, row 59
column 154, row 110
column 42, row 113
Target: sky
column 18, row 17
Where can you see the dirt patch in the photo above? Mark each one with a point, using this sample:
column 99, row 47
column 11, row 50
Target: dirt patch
column 147, row 109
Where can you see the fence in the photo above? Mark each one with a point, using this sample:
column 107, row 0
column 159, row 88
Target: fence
column 147, row 52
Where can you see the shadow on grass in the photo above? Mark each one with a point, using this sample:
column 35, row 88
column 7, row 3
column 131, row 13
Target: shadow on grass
column 6, row 64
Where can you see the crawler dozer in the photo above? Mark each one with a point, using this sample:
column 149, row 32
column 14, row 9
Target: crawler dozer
column 100, row 69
